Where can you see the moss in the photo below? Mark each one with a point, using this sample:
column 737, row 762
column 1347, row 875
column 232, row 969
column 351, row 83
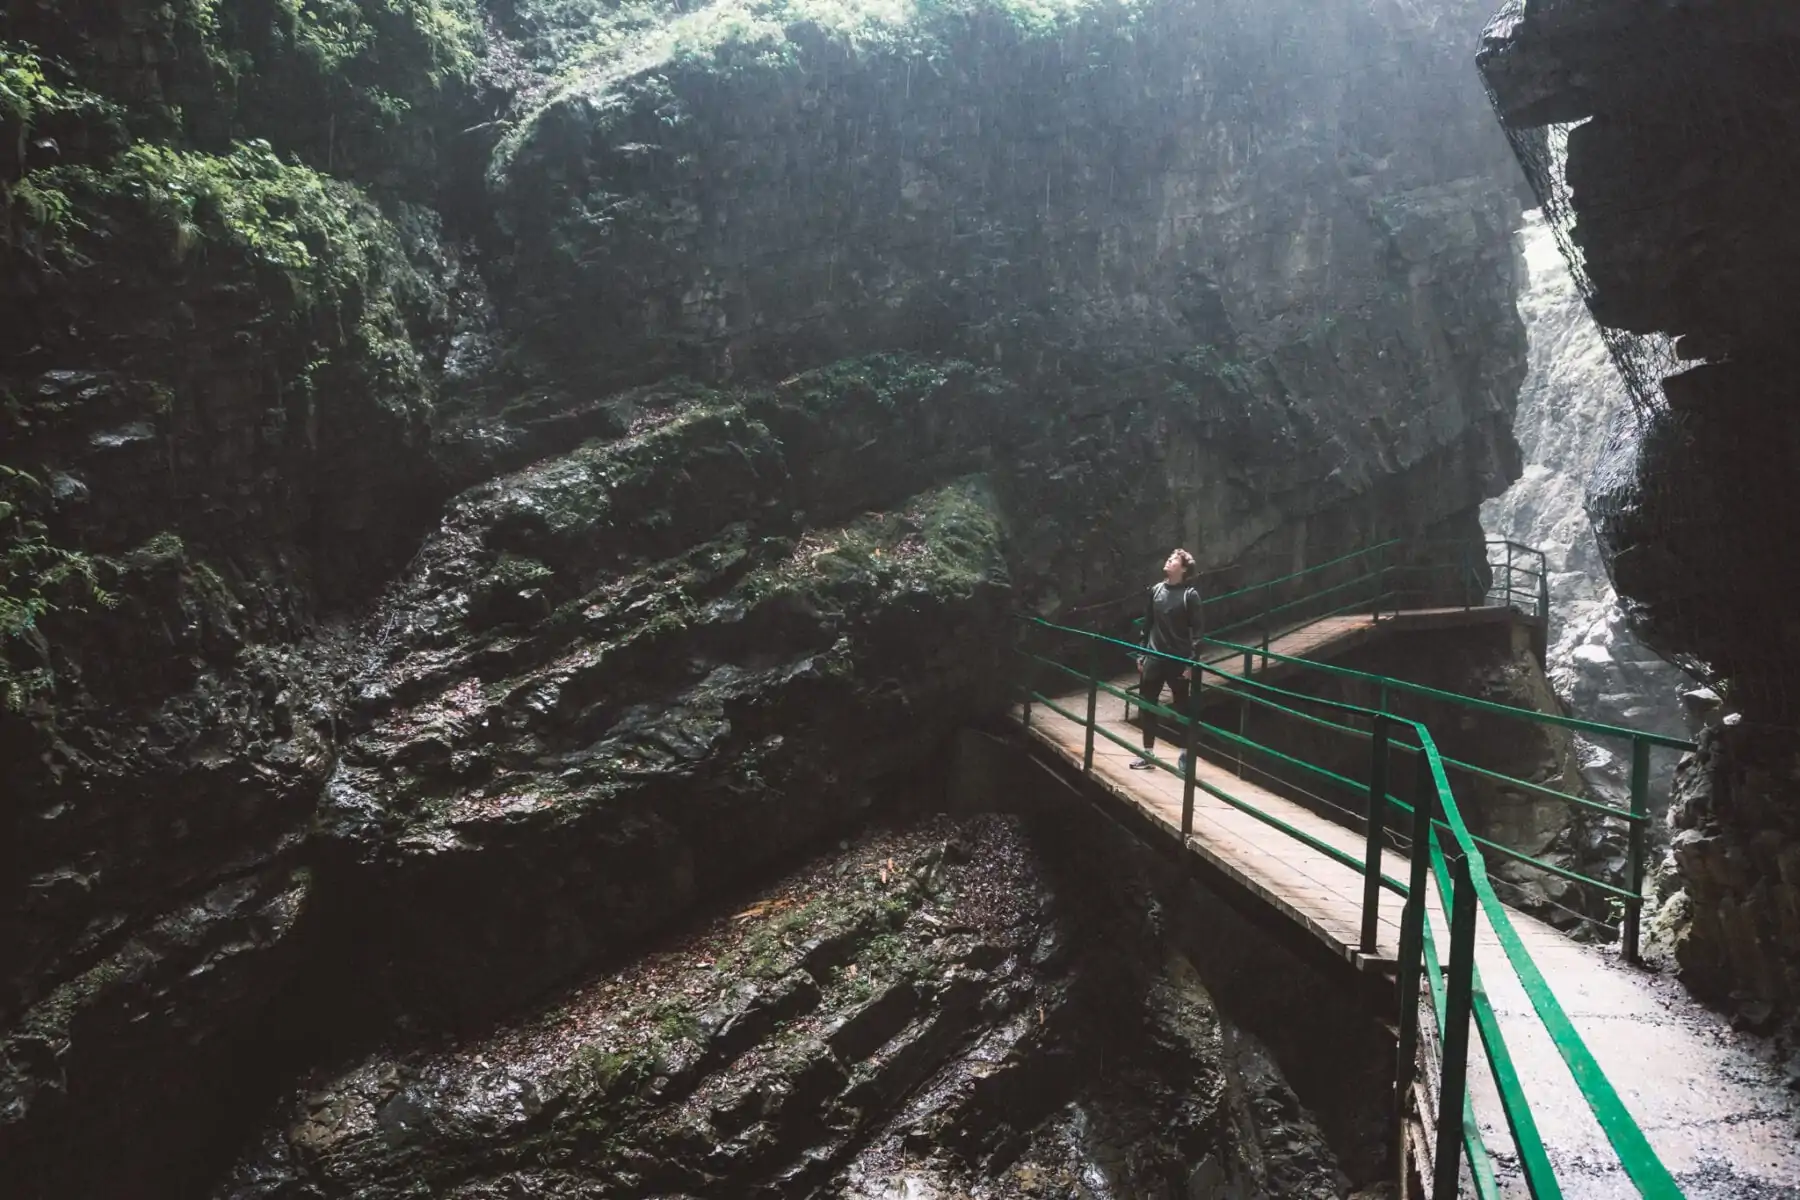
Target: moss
column 309, row 237
column 770, row 950
column 944, row 541
column 1207, row 364
column 165, row 547
column 349, row 85
column 675, row 1021
column 892, row 379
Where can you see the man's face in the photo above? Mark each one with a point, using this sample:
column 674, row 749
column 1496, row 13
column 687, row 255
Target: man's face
column 1173, row 567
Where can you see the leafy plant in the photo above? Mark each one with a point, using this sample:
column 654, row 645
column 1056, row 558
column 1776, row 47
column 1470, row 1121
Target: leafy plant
column 37, row 578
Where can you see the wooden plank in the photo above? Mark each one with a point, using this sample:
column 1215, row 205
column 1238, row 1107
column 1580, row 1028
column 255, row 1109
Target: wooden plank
column 1304, row 884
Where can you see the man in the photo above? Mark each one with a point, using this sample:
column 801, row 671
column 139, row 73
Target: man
column 1171, row 625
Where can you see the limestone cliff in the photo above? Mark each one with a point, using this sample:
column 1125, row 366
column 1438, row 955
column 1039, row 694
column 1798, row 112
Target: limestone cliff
column 1572, row 401
column 494, row 477
column 1677, row 125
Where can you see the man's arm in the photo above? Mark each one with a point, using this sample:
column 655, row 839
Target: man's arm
column 1196, row 616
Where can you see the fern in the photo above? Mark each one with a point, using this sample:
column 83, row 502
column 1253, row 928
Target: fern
column 37, row 578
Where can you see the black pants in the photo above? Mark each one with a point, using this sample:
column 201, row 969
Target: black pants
column 1158, row 671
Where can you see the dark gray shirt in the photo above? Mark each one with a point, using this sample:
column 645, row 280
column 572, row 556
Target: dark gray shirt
column 1174, row 619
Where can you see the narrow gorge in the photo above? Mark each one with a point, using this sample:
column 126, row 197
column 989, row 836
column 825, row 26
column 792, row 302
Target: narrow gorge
column 514, row 517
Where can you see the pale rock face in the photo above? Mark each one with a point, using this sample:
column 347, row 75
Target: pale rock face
column 1567, row 407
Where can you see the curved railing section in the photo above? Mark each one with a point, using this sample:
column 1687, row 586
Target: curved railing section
column 1399, row 575
column 1441, row 849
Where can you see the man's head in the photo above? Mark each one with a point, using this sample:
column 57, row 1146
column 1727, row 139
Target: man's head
column 1178, row 566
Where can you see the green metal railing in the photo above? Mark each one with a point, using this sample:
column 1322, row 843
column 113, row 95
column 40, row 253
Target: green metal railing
column 1636, row 817
column 1380, row 579
column 1518, row 579
column 1442, row 848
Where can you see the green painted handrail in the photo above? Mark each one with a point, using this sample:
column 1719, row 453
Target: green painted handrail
column 1635, row 1154
column 1595, row 728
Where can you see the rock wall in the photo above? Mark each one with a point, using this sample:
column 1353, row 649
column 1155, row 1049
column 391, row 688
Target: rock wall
column 586, row 454
column 1573, row 402
column 1679, row 128
column 929, row 1011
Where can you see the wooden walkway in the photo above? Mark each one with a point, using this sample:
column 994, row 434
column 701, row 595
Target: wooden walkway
column 1331, row 636
column 1720, row 1119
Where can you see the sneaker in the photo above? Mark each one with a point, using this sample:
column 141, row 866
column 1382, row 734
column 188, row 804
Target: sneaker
column 1141, row 764
column 1181, row 764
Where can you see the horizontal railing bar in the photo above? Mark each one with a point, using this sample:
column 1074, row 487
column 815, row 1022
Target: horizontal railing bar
column 1459, row 764
column 1638, row 1160
column 1623, row 814
column 1348, row 784
column 1306, row 599
column 1298, row 834
column 1521, row 856
column 1419, row 689
column 1312, row 570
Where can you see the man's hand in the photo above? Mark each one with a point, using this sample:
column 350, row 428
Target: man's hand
column 1187, row 672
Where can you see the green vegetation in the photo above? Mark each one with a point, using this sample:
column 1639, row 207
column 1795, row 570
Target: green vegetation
column 33, row 94
column 310, row 236
column 769, row 951
column 894, row 379
column 345, row 84
column 348, row 84
column 37, row 578
column 675, row 1021
column 135, row 230
column 1208, row 363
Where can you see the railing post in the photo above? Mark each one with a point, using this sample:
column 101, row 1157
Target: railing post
column 1242, row 720
column 1029, row 669
column 1377, row 822
column 1509, row 569
column 1412, row 938
column 1458, row 1003
column 1636, row 839
column 1268, row 616
column 1466, row 575
column 1380, row 575
column 1193, row 752
column 1093, row 705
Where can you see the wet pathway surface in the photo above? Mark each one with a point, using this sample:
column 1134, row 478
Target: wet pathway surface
column 1718, row 1115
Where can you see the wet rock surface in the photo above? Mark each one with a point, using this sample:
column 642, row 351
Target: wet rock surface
column 928, row 1012
column 1569, row 407
column 1666, row 117
column 557, row 475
